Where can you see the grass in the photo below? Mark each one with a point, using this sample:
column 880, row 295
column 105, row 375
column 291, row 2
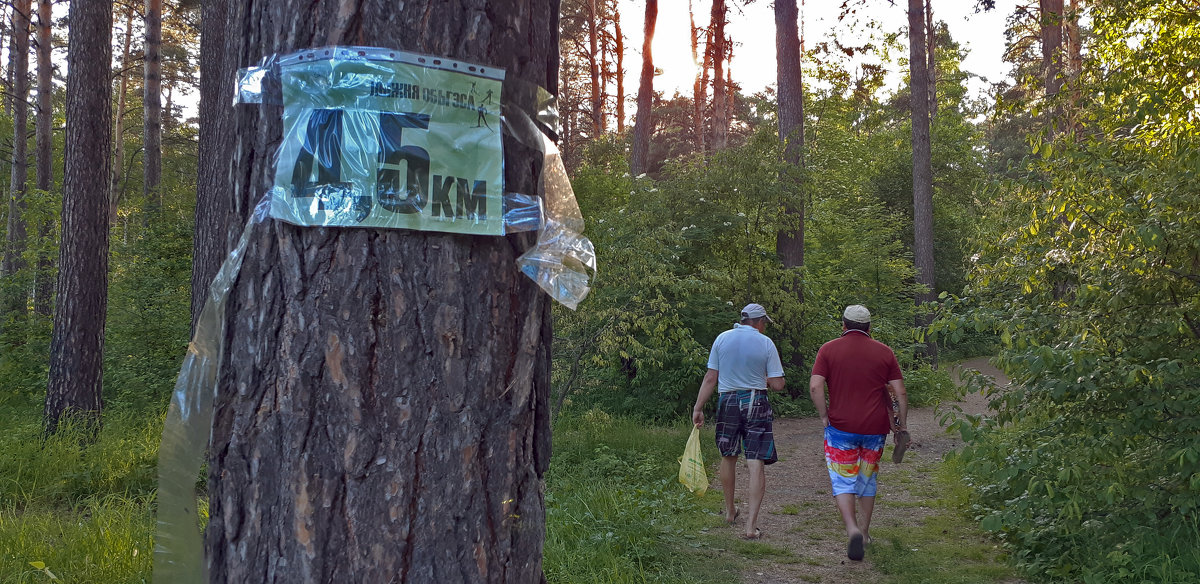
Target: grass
column 946, row 547
column 73, row 506
column 615, row 511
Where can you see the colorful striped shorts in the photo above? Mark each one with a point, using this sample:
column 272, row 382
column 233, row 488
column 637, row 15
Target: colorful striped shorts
column 853, row 461
column 745, row 418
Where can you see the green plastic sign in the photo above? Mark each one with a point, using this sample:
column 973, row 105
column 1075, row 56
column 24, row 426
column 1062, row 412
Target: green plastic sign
column 383, row 138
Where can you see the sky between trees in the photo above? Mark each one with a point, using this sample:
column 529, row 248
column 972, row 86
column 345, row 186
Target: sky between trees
column 753, row 27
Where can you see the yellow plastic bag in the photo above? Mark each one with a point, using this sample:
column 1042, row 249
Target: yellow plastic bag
column 691, row 465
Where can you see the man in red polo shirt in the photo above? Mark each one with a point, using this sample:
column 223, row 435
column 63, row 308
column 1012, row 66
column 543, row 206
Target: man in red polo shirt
column 861, row 373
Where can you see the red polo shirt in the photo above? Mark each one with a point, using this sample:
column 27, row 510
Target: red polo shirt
column 857, row 368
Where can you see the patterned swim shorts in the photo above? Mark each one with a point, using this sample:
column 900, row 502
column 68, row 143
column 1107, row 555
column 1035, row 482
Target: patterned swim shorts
column 853, row 460
column 745, row 418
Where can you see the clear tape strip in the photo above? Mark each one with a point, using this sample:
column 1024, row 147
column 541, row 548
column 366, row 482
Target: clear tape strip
column 178, row 544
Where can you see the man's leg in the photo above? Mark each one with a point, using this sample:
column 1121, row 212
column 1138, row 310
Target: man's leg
column 865, row 506
column 867, row 483
column 845, row 504
column 758, row 488
column 728, row 483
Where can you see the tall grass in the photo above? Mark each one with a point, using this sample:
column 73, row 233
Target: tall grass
column 615, row 511
column 76, row 505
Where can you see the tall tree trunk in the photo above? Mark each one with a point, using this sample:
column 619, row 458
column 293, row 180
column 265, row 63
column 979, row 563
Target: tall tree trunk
column 152, row 106
column 789, row 242
column 716, row 27
column 593, row 61
column 219, row 214
column 118, row 164
column 1074, row 59
column 1052, row 33
column 16, row 295
column 730, row 90
column 77, row 343
column 43, row 286
column 931, row 55
column 379, row 419
column 700, row 90
column 619, row 41
column 643, row 124
column 922, row 162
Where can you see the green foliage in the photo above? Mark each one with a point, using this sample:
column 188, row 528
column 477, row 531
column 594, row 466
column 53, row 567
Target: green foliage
column 149, row 312
column 1091, row 279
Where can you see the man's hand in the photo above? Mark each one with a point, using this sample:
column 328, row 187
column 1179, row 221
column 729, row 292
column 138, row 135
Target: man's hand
column 698, row 417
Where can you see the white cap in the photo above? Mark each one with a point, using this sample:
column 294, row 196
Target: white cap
column 755, row 311
column 857, row 313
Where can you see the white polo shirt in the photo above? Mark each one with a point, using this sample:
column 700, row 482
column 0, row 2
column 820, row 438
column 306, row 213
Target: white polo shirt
column 744, row 358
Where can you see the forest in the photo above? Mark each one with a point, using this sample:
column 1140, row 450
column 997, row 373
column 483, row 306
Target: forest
column 377, row 404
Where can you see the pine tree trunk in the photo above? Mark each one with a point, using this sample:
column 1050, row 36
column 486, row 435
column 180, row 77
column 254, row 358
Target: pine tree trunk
column 152, row 104
column 789, row 242
column 619, row 49
column 1052, row 33
column 643, row 124
column 16, row 295
column 77, row 343
column 700, row 90
column 219, row 214
column 931, row 57
column 43, row 286
column 382, row 412
column 593, row 62
column 716, row 27
column 118, row 164
column 922, row 162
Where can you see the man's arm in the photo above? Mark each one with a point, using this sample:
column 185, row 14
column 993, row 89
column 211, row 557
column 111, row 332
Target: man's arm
column 775, row 383
column 706, row 389
column 816, row 391
column 896, row 388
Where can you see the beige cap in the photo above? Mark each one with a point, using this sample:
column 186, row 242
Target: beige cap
column 857, row 313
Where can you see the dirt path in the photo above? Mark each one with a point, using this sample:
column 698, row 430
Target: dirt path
column 799, row 516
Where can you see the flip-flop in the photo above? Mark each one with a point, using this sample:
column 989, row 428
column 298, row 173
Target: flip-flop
column 757, row 534
column 736, row 513
column 902, row 439
column 855, row 550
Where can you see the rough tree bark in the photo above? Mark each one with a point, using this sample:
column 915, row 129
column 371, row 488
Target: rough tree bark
column 382, row 412
column 219, row 215
column 152, row 106
column 43, row 286
column 16, row 297
column 643, row 125
column 81, row 294
column 922, row 162
column 716, row 28
column 789, row 242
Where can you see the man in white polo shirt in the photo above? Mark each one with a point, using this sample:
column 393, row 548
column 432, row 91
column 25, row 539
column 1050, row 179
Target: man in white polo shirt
column 742, row 365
